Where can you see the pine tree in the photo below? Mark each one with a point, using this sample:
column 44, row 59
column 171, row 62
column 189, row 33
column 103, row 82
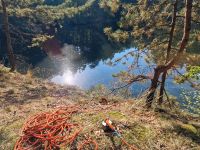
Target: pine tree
column 8, row 38
column 36, row 14
column 168, row 26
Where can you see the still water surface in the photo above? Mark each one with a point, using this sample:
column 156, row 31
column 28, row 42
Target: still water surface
column 80, row 54
column 103, row 72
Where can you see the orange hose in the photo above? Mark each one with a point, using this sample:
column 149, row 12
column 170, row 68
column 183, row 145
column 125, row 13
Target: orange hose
column 127, row 144
column 49, row 130
column 88, row 142
column 54, row 130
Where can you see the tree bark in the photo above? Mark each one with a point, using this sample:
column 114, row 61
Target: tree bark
column 7, row 35
column 164, row 75
column 152, row 89
column 163, row 68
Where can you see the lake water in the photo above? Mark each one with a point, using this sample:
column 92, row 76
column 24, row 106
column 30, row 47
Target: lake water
column 80, row 55
column 103, row 73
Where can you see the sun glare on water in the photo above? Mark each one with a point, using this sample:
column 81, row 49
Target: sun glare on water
column 68, row 77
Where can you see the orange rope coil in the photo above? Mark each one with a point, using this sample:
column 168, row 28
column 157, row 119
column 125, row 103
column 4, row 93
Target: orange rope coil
column 88, row 142
column 49, row 131
column 53, row 130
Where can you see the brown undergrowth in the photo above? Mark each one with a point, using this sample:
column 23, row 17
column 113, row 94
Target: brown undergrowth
column 22, row 96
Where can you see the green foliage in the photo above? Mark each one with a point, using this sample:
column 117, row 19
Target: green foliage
column 123, row 76
column 193, row 72
column 33, row 18
column 191, row 101
column 149, row 23
column 39, row 39
column 40, row 11
column 112, row 5
column 3, row 69
column 118, row 35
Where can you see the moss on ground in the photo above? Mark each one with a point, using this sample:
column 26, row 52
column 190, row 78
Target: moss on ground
column 189, row 128
column 117, row 115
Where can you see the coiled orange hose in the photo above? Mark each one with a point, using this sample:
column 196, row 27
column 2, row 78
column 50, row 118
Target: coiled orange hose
column 53, row 130
column 49, row 130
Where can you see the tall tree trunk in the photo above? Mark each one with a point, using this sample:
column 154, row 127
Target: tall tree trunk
column 152, row 89
column 163, row 68
column 164, row 75
column 8, row 38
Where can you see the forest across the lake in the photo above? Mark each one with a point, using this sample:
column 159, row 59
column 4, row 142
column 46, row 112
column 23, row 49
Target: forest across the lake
column 133, row 64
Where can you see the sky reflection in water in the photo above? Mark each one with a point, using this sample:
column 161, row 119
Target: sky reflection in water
column 102, row 74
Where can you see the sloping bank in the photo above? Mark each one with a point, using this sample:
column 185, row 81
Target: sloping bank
column 22, row 96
